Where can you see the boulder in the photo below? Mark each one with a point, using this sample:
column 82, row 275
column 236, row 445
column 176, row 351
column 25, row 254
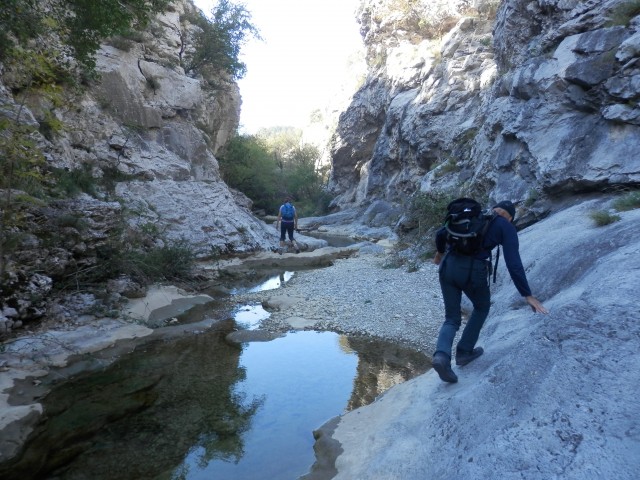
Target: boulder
column 538, row 403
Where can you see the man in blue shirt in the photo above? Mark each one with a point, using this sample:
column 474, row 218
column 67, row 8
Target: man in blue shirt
column 288, row 222
column 470, row 275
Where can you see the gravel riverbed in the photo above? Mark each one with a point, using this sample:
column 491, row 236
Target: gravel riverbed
column 359, row 296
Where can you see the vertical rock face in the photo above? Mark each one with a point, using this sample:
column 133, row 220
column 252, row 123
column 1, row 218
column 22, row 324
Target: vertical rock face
column 531, row 100
column 161, row 129
column 147, row 133
column 156, row 131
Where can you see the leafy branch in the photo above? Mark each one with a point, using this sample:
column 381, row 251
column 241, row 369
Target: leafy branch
column 80, row 25
column 220, row 39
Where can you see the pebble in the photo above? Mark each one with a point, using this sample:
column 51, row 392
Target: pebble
column 360, row 296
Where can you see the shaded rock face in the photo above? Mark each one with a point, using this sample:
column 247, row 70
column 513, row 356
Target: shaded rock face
column 63, row 242
column 533, row 101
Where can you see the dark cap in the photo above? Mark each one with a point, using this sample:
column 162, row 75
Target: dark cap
column 509, row 207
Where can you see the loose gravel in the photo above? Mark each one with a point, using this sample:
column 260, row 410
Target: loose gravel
column 360, row 296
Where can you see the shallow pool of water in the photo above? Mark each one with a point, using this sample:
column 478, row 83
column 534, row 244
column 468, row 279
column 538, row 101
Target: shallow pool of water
column 297, row 383
column 333, row 240
column 199, row 407
column 274, row 282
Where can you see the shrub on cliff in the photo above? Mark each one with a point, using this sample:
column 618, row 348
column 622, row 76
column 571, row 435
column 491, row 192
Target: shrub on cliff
column 427, row 209
column 80, row 25
column 220, row 39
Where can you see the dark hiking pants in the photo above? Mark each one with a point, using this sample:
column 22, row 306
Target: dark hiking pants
column 458, row 275
column 286, row 228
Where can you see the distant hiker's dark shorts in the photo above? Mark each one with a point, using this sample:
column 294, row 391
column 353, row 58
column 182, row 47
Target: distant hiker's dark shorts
column 286, row 227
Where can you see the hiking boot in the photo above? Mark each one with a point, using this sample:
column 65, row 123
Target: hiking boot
column 442, row 364
column 297, row 250
column 462, row 357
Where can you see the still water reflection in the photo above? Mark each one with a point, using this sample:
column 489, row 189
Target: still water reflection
column 198, row 407
column 299, row 381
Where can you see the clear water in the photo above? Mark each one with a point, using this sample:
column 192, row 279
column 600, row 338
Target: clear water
column 199, row 407
column 273, row 282
column 299, row 382
column 249, row 317
column 333, row 240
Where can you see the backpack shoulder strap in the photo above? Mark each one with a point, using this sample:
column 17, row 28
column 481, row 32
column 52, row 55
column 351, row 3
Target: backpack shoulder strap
column 491, row 217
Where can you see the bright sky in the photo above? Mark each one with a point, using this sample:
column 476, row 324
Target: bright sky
column 301, row 61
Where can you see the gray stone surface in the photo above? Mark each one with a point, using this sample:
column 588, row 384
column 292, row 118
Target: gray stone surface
column 534, row 102
column 553, row 397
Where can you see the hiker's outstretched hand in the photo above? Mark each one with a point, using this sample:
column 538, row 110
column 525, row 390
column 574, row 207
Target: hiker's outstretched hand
column 535, row 304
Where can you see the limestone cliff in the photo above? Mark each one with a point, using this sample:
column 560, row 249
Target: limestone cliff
column 529, row 100
column 147, row 133
column 536, row 101
column 161, row 129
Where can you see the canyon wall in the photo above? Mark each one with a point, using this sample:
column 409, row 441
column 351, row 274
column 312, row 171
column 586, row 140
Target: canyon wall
column 532, row 101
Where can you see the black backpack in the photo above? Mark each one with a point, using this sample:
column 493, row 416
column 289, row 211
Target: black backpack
column 466, row 226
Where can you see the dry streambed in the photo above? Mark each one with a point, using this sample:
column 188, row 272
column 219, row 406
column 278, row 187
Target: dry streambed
column 358, row 295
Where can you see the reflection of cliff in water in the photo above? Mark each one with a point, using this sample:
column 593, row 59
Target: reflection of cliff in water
column 187, row 408
column 382, row 365
column 139, row 417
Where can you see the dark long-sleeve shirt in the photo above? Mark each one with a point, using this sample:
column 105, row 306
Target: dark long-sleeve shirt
column 500, row 232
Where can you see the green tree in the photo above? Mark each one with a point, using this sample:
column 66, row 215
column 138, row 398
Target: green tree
column 20, row 21
column 219, row 40
column 20, row 175
column 281, row 140
column 302, row 179
column 247, row 165
column 299, row 172
column 92, row 21
column 274, row 163
column 79, row 24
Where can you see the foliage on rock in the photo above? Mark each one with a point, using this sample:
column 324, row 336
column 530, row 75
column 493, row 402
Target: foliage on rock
column 272, row 164
column 70, row 138
column 219, row 39
column 80, row 25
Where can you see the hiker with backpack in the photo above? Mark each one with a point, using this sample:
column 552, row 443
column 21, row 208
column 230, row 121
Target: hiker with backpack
column 464, row 247
column 287, row 221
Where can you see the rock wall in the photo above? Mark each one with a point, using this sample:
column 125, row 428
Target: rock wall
column 162, row 129
column 553, row 396
column 148, row 134
column 158, row 130
column 519, row 99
